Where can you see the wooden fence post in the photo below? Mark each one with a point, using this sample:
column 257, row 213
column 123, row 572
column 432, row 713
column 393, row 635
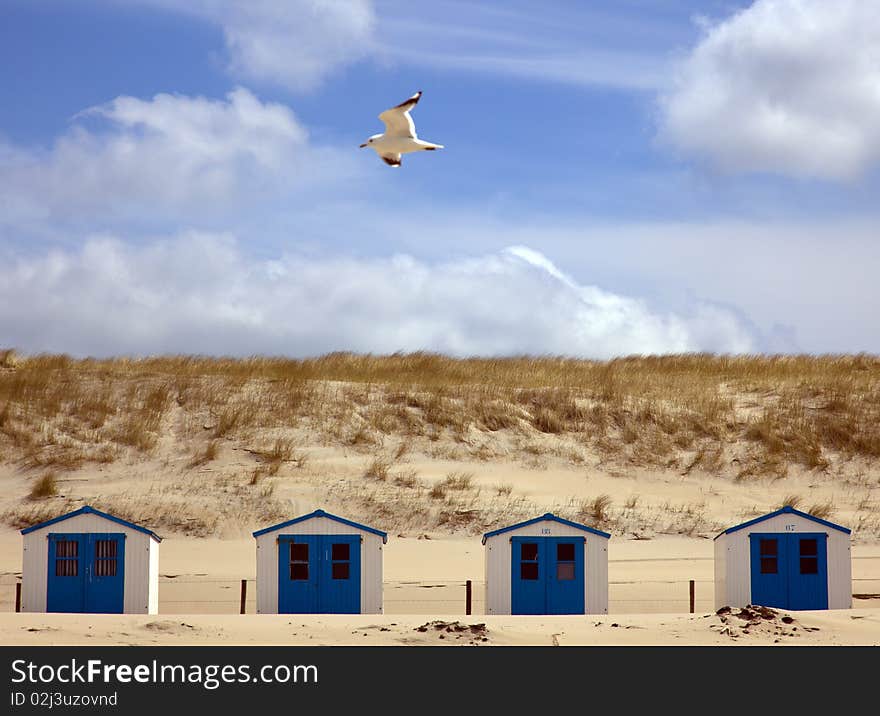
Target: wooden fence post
column 468, row 596
column 692, row 596
column 243, row 594
column 18, row 596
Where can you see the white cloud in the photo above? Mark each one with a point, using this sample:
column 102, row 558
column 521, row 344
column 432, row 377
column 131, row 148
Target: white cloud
column 784, row 86
column 300, row 43
column 294, row 43
column 155, row 157
column 200, row 293
column 808, row 285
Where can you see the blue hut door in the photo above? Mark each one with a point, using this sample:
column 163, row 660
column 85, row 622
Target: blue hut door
column 86, row 573
column 297, row 574
column 105, row 573
column 769, row 569
column 339, row 587
column 65, row 587
column 319, row 574
column 808, row 570
column 528, row 575
column 565, row 582
column 789, row 570
column 547, row 575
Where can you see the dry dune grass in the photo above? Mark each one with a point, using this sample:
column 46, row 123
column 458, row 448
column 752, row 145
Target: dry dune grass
column 396, row 496
column 740, row 418
column 198, row 508
column 654, row 410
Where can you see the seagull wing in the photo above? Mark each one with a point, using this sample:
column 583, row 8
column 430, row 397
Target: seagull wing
column 397, row 121
column 392, row 160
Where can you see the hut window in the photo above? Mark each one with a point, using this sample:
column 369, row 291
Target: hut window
column 528, row 570
column 769, row 554
column 564, row 562
column 299, row 562
column 565, row 553
column 528, row 561
column 105, row 558
column 66, row 558
column 340, row 554
column 565, row 571
column 809, row 556
column 299, row 552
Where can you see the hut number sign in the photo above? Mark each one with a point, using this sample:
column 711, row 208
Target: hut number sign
column 790, row 528
column 545, row 531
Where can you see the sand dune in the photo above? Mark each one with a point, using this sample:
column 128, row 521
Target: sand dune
column 663, row 454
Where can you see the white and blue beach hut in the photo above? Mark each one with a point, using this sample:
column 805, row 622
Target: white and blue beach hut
column 88, row 561
column 786, row 559
column 547, row 565
column 319, row 564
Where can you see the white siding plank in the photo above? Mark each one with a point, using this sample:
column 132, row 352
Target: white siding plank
column 839, row 570
column 153, row 601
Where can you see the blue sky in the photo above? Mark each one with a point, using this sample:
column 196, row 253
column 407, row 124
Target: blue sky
column 629, row 176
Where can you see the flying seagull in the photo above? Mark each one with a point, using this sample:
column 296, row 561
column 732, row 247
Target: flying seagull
column 400, row 134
